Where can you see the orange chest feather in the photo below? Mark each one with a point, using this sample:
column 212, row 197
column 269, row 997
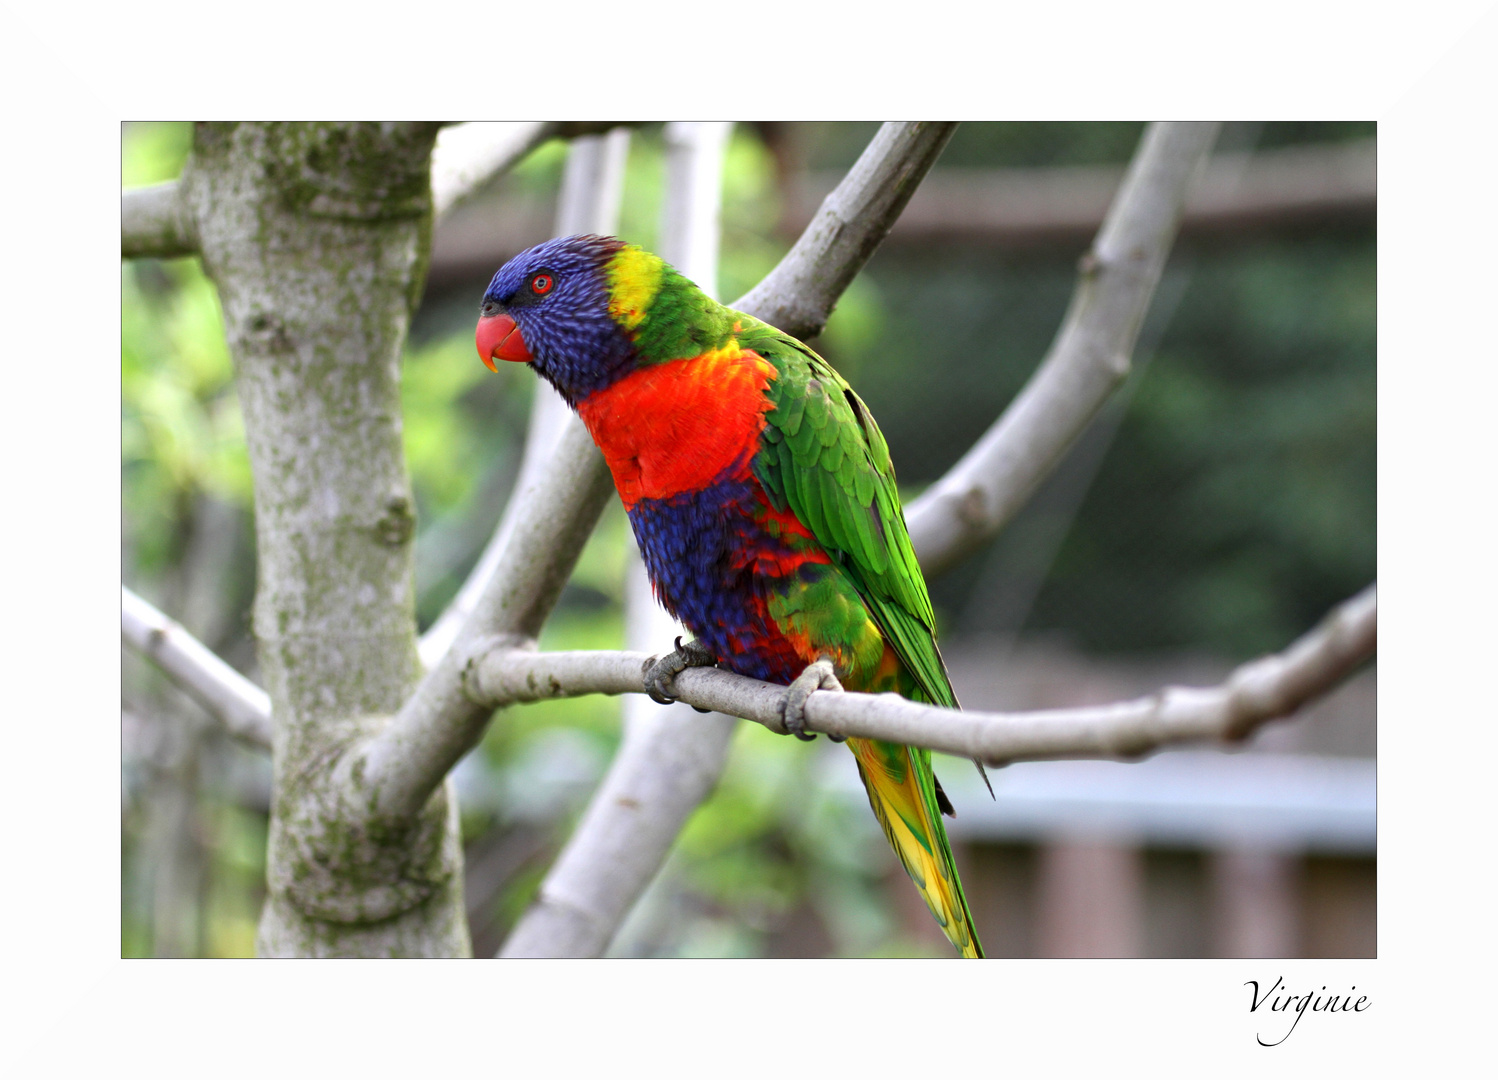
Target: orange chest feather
column 676, row 427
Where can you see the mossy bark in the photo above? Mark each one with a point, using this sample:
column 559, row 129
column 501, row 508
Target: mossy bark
column 317, row 237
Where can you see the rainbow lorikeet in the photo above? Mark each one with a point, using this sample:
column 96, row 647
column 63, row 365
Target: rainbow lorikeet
column 763, row 499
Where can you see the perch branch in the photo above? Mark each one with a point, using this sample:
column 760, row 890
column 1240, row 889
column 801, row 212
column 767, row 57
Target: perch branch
column 242, row 707
column 1088, row 360
column 1257, row 692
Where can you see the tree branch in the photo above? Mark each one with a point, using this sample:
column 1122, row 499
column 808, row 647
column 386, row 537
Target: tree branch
column 1088, row 360
column 403, row 763
column 156, row 222
column 241, row 706
column 467, row 156
column 800, row 293
column 1257, row 692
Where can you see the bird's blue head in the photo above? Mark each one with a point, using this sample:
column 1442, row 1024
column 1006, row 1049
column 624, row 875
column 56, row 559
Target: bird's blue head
column 554, row 306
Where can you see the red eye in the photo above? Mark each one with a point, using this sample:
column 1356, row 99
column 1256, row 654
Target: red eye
column 541, row 284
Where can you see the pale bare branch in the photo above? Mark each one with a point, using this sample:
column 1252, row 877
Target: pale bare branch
column 671, row 758
column 467, row 156
column 156, row 222
column 242, row 707
column 439, row 723
column 800, row 293
column 1088, row 360
column 1257, row 692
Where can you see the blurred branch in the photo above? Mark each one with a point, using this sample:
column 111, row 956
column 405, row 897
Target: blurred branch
column 1284, row 186
column 800, row 293
column 671, row 758
column 467, row 156
column 592, row 187
column 156, row 222
column 1235, row 194
column 403, row 764
column 242, row 707
column 1088, row 360
column 1255, row 693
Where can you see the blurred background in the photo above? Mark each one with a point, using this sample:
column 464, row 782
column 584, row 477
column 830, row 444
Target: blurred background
column 1215, row 510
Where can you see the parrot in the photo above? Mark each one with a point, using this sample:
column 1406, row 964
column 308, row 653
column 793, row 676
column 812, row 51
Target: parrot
column 763, row 500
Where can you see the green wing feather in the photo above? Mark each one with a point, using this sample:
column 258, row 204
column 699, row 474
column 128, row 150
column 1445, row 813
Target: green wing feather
column 825, row 459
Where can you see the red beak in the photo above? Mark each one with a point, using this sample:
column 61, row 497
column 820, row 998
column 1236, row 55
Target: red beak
column 499, row 337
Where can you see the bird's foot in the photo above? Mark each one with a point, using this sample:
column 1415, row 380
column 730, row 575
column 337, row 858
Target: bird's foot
column 817, row 676
column 660, row 671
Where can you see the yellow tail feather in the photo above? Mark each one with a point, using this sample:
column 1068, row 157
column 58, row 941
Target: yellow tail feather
column 915, row 832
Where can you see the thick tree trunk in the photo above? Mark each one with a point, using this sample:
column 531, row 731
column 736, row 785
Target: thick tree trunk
column 317, row 237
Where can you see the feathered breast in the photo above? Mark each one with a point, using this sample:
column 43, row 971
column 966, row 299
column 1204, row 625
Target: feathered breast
column 676, row 427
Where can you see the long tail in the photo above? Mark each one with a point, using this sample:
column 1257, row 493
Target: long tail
column 902, row 792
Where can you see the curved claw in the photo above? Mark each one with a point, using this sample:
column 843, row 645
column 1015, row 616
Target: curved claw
column 661, row 671
column 817, row 676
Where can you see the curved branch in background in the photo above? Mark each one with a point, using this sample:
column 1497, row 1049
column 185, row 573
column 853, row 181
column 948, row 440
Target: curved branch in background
column 1257, row 692
column 157, row 223
column 403, row 764
column 592, row 189
column 800, row 293
column 241, row 706
column 671, row 758
column 1088, row 360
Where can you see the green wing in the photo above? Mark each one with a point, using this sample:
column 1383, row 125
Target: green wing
column 825, row 459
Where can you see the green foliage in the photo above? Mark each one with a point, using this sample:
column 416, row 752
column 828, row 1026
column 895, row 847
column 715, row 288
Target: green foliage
column 1238, row 502
column 151, row 153
column 181, row 432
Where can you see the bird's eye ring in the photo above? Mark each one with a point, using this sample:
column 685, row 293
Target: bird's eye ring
column 541, row 284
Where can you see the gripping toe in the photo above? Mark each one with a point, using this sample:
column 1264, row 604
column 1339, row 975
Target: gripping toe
column 817, row 676
column 660, row 672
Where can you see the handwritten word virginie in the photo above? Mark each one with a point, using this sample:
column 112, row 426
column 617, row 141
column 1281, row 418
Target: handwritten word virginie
column 1300, row 1004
